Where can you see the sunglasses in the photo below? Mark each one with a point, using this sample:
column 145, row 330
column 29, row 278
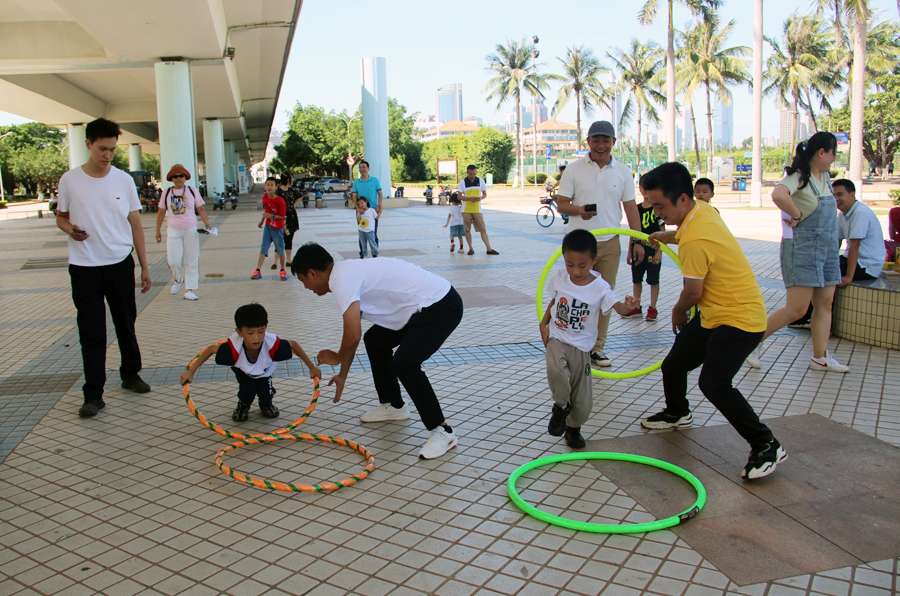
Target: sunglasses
column 177, row 175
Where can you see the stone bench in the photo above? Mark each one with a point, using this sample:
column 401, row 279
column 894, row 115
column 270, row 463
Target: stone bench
column 869, row 312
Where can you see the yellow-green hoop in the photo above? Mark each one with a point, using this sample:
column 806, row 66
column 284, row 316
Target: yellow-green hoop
column 539, row 297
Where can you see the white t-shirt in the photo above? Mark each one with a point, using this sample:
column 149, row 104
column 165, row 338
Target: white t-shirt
column 587, row 183
column 100, row 207
column 861, row 223
column 576, row 309
column 179, row 206
column 272, row 351
column 389, row 291
column 456, row 215
column 367, row 220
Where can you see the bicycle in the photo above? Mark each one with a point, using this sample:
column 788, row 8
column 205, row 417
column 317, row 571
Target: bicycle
column 546, row 214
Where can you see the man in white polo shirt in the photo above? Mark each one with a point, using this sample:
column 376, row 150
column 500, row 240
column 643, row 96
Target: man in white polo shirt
column 863, row 256
column 412, row 310
column 592, row 192
column 99, row 210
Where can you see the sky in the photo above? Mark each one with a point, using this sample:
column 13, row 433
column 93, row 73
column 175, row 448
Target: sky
column 426, row 45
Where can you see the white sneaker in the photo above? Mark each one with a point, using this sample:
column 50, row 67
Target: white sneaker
column 385, row 412
column 755, row 359
column 177, row 286
column 439, row 442
column 828, row 364
column 190, row 295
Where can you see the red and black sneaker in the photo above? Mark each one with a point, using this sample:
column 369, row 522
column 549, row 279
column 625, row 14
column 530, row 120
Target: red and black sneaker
column 651, row 314
column 636, row 312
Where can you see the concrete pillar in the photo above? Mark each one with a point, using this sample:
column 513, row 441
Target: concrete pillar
column 174, row 106
column 78, row 153
column 375, row 121
column 135, row 158
column 230, row 169
column 214, row 155
column 756, row 170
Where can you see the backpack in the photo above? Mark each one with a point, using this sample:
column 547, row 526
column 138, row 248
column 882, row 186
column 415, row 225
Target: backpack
column 165, row 202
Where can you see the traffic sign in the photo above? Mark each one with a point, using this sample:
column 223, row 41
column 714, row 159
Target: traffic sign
column 548, row 148
column 350, row 161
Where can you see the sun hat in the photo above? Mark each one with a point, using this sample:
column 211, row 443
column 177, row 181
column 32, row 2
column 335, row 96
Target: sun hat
column 178, row 169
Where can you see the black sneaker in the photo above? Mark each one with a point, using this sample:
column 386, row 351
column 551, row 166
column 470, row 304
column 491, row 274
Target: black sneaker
column 557, row 424
column 269, row 411
column 801, row 324
column 666, row 419
column 763, row 460
column 241, row 412
column 599, row 359
column 574, row 438
column 90, row 408
column 136, row 384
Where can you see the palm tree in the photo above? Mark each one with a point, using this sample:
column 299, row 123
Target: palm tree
column 706, row 61
column 581, row 73
column 645, row 17
column 639, row 70
column 514, row 70
column 858, row 11
column 801, row 66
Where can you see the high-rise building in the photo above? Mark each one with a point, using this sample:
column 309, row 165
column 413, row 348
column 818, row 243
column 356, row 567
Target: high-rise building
column 448, row 100
column 538, row 112
column 786, row 126
column 723, row 124
column 511, row 120
column 612, row 112
column 683, row 121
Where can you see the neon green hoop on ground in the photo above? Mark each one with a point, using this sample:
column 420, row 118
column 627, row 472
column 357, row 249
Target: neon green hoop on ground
column 539, row 297
column 572, row 524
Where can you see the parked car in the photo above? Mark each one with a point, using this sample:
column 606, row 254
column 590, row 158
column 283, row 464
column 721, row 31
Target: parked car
column 52, row 205
column 332, row 185
column 305, row 183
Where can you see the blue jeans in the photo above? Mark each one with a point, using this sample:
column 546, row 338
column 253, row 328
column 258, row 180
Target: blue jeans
column 271, row 235
column 367, row 239
column 810, row 258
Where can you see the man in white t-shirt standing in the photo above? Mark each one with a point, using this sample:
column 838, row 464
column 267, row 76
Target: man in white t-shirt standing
column 411, row 309
column 472, row 190
column 99, row 210
column 593, row 192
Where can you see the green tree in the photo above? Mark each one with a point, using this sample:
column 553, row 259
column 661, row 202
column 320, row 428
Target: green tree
column 645, row 17
column 581, row 76
column 27, row 156
column 488, row 149
column 705, row 61
column 881, row 122
column 514, row 71
column 638, row 69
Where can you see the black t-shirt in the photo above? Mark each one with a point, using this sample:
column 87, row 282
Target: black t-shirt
column 650, row 223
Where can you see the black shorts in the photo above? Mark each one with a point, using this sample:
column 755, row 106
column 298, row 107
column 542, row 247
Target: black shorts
column 289, row 238
column 249, row 388
column 637, row 271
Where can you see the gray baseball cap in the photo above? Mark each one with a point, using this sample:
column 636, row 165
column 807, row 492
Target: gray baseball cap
column 601, row 128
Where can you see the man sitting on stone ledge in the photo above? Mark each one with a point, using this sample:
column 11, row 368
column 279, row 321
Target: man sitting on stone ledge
column 863, row 256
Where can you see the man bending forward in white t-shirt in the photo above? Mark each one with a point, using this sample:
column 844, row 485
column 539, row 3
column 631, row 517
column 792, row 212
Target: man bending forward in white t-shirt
column 411, row 309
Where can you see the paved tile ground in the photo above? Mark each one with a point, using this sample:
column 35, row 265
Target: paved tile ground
column 131, row 502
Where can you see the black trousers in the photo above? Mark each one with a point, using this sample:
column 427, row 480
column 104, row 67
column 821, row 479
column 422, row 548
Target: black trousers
column 721, row 352
column 90, row 287
column 249, row 388
column 423, row 336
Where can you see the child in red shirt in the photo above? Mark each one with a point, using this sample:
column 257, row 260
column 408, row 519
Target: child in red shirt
column 274, row 212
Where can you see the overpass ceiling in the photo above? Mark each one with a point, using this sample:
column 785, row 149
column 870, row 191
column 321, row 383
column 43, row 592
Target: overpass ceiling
column 67, row 61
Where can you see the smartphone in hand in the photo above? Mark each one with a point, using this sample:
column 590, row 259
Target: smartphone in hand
column 592, row 207
column 78, row 231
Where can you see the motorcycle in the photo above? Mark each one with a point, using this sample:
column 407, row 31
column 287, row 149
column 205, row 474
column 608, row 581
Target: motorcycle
column 428, row 194
column 221, row 202
column 444, row 195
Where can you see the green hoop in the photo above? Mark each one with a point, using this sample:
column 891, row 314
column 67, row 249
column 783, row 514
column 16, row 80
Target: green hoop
column 572, row 524
column 539, row 297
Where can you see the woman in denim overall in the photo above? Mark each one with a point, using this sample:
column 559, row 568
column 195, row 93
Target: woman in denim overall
column 810, row 265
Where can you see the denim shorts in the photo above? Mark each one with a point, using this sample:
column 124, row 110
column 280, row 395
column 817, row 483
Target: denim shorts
column 457, row 231
column 271, row 235
column 810, row 258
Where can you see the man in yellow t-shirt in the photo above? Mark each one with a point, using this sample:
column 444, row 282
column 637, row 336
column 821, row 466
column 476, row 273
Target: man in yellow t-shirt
column 472, row 190
column 718, row 279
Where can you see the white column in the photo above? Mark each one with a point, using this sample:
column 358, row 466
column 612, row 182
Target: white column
column 756, row 164
column 78, row 153
column 375, row 121
column 176, row 118
column 135, row 158
column 214, row 154
column 230, row 170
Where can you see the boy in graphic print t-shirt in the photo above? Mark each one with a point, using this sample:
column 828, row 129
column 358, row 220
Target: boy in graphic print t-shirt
column 569, row 330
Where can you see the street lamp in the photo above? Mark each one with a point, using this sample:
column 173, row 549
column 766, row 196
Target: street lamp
column 2, row 191
column 347, row 122
column 534, row 55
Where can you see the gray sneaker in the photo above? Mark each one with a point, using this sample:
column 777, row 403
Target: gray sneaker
column 599, row 359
